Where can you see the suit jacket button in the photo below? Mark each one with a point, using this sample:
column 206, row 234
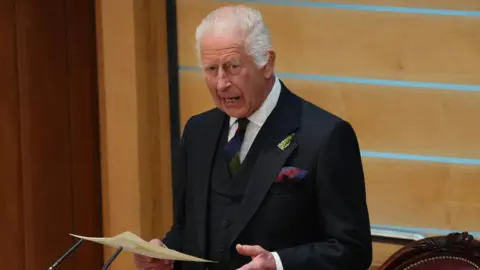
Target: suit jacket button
column 222, row 248
column 225, row 224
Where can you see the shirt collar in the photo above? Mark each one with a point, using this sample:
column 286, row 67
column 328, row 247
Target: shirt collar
column 260, row 116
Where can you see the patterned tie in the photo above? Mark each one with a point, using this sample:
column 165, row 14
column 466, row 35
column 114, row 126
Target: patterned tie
column 232, row 149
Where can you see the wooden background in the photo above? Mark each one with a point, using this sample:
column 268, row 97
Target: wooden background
column 134, row 120
column 409, row 82
column 84, row 128
column 49, row 159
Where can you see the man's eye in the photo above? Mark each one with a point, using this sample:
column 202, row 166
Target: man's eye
column 233, row 66
column 211, row 68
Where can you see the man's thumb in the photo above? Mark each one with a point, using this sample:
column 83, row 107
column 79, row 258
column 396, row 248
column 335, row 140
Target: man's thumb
column 156, row 242
column 251, row 251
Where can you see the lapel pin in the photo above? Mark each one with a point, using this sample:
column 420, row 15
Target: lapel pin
column 286, row 142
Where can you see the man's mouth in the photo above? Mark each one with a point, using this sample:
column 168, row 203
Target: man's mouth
column 232, row 99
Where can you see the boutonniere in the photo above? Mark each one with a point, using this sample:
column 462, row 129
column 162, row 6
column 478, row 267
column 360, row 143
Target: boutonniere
column 286, row 142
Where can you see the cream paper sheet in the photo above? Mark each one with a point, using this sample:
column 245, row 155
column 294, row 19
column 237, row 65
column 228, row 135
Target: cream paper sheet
column 132, row 243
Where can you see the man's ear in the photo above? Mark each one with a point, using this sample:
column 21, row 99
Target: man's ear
column 269, row 67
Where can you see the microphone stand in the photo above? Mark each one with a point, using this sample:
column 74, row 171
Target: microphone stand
column 70, row 251
column 110, row 260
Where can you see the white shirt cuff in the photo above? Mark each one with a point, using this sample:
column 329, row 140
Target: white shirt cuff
column 278, row 262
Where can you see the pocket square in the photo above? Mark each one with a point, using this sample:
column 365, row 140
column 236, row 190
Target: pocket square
column 290, row 173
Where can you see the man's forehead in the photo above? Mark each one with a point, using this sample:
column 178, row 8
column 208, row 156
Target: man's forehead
column 222, row 45
column 221, row 40
column 227, row 55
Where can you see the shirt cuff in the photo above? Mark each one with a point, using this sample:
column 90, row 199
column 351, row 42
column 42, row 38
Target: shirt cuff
column 278, row 262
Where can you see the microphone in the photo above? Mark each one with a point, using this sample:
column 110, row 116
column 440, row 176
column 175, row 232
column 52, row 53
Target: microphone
column 70, row 251
column 110, row 260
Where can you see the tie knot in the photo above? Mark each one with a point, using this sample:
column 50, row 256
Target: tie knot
column 242, row 124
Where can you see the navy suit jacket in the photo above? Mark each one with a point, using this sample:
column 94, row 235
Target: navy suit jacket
column 318, row 221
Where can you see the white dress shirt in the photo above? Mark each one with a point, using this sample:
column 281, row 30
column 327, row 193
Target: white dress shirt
column 256, row 121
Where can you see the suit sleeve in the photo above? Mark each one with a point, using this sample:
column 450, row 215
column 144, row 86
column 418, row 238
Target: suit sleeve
column 342, row 209
column 174, row 238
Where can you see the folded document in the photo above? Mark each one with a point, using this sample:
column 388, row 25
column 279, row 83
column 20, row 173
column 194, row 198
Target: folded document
column 132, row 243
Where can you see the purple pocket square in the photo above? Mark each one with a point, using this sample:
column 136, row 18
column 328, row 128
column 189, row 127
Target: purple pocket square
column 290, row 173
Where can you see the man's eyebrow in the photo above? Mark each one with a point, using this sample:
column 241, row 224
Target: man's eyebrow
column 208, row 65
column 233, row 61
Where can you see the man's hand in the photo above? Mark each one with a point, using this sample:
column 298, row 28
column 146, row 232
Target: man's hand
column 261, row 259
column 148, row 263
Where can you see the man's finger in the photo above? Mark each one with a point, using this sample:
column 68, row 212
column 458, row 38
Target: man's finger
column 251, row 251
column 157, row 242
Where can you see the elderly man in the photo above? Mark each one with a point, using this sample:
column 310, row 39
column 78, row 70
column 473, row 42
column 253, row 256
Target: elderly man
column 268, row 180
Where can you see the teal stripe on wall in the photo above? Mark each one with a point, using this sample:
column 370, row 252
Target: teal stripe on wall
column 376, row 8
column 425, row 231
column 358, row 80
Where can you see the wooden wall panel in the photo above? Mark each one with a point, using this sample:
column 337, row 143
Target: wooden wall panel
column 135, row 122
column 49, row 177
column 12, row 255
column 118, row 101
column 84, row 130
column 383, row 45
column 45, row 139
column 156, row 155
column 422, row 194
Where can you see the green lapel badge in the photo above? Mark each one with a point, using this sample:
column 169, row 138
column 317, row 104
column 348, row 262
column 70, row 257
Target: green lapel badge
column 286, row 142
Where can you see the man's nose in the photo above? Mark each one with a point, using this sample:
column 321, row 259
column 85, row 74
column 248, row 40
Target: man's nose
column 223, row 82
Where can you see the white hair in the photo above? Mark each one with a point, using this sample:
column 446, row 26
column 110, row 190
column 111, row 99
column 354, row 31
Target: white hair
column 250, row 20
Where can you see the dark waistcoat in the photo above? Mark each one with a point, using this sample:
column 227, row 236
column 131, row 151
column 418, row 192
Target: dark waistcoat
column 225, row 199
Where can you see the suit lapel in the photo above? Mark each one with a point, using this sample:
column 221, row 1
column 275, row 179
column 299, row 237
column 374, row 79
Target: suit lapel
column 283, row 121
column 208, row 143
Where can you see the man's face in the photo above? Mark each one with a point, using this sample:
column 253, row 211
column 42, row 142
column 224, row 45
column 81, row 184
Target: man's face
column 238, row 87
